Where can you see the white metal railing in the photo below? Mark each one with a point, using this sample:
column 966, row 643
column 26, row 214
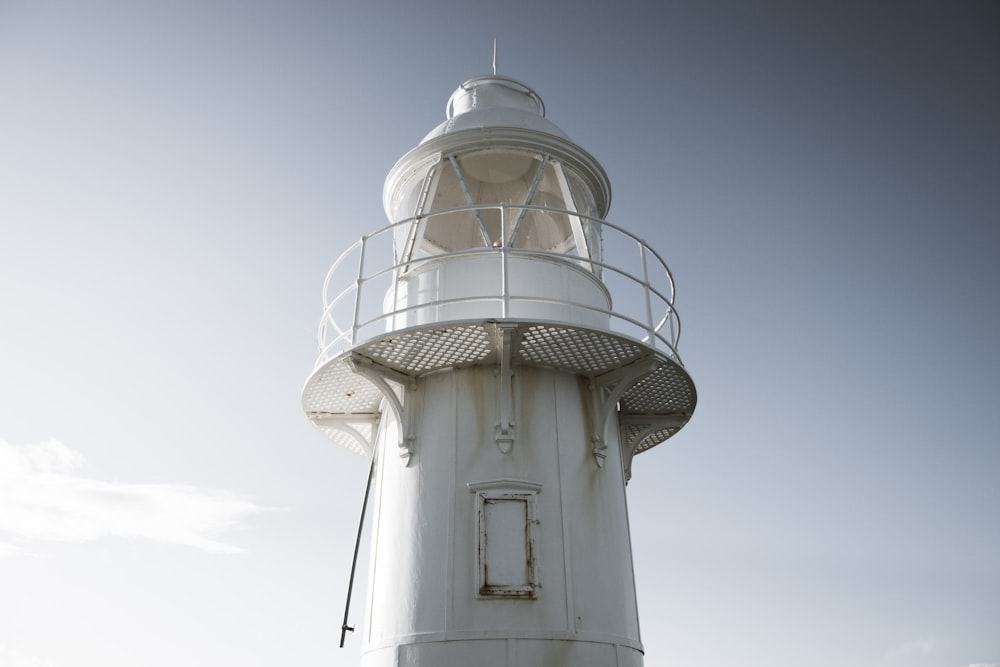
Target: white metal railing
column 641, row 286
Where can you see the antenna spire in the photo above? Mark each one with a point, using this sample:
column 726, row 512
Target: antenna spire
column 494, row 56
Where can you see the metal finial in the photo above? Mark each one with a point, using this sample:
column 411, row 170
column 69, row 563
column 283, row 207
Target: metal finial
column 494, row 56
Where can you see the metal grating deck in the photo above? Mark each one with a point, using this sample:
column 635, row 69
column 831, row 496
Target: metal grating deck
column 654, row 408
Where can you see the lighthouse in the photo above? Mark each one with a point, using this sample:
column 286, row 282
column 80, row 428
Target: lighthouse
column 501, row 353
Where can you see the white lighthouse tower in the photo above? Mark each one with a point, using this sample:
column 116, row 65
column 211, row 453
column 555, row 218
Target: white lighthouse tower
column 501, row 353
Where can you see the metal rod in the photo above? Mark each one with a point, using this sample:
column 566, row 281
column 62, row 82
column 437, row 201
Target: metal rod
column 531, row 194
column 357, row 295
column 504, row 278
column 344, row 627
column 470, row 201
column 650, row 332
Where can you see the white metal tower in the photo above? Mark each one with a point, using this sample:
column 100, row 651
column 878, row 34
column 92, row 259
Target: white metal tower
column 502, row 353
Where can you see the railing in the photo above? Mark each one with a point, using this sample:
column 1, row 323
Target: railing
column 638, row 281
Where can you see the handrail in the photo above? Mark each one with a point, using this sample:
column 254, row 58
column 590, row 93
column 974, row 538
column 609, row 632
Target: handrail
column 644, row 302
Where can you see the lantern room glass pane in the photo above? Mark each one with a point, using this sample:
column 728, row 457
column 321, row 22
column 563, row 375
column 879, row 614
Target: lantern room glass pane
column 547, row 230
column 407, row 200
column 559, row 227
column 584, row 204
column 493, row 176
column 477, row 183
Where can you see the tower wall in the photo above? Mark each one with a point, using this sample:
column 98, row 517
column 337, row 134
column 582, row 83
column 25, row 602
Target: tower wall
column 489, row 558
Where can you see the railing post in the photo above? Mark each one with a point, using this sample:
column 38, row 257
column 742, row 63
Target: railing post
column 650, row 333
column 357, row 292
column 504, row 278
column 397, row 274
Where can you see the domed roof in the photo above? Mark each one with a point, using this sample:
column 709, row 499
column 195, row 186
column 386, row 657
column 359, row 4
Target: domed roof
column 491, row 112
column 495, row 101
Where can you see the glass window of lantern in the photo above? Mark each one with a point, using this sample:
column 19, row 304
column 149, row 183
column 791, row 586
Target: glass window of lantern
column 561, row 224
column 492, row 197
column 584, row 204
column 473, row 182
column 408, row 198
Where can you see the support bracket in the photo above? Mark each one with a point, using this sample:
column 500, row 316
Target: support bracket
column 347, row 424
column 606, row 390
column 505, row 390
column 402, row 404
column 643, row 426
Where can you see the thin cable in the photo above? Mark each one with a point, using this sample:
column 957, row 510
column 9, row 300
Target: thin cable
column 345, row 628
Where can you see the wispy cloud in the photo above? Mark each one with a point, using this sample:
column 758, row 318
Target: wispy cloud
column 914, row 647
column 13, row 658
column 44, row 498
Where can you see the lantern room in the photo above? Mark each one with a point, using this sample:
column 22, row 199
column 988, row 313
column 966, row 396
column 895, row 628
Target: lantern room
column 497, row 174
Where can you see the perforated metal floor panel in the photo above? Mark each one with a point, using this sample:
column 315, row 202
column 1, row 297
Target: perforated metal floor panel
column 653, row 409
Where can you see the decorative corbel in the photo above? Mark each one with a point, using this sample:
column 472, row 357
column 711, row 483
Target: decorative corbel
column 606, row 390
column 347, row 424
column 405, row 408
column 648, row 424
column 505, row 390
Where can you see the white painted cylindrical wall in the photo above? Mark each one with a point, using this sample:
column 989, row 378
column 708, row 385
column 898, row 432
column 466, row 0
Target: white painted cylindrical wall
column 468, row 287
column 446, row 587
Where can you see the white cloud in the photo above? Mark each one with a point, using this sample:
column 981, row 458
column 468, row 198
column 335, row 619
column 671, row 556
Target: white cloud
column 915, row 647
column 985, row 664
column 43, row 498
column 12, row 658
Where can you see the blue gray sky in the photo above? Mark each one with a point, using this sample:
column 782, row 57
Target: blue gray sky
column 822, row 177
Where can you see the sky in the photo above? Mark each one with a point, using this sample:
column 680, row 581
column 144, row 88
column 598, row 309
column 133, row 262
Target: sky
column 822, row 177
